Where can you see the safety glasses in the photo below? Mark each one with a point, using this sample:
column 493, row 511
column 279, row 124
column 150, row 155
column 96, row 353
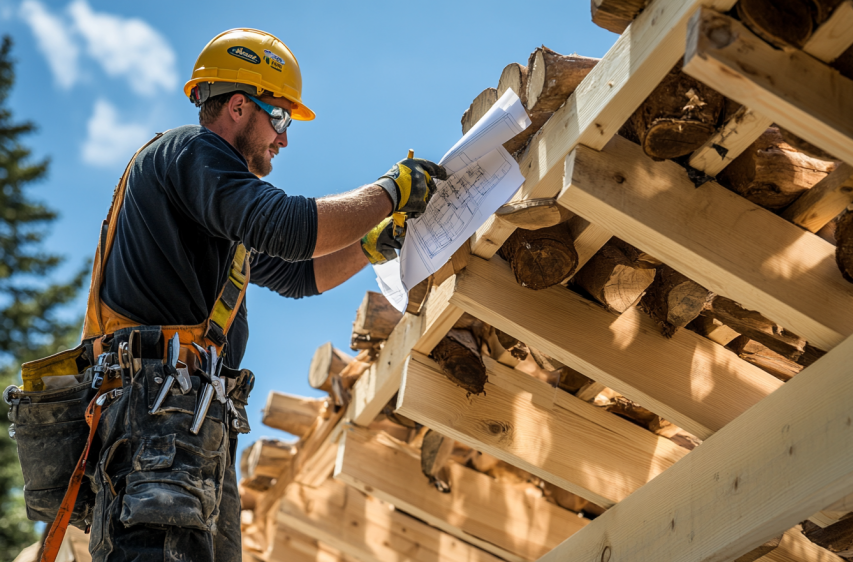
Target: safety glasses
column 279, row 117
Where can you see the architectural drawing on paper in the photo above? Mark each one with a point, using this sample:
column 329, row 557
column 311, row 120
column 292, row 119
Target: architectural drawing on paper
column 456, row 204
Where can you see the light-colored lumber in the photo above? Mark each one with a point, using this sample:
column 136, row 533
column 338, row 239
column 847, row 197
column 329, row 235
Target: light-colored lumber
column 784, row 459
column 686, row 379
column 714, row 237
column 376, row 387
column 327, row 362
column 512, row 521
column 797, row 91
column 293, row 546
column 742, row 128
column 268, row 457
column 834, row 36
column 816, row 207
column 368, row 529
column 291, row 413
column 601, row 104
column 547, row 432
column 736, row 135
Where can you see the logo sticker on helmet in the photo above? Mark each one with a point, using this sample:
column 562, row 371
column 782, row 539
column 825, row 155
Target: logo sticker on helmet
column 272, row 59
column 245, row 54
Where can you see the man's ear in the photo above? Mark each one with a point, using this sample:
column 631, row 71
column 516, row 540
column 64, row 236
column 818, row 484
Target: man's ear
column 237, row 107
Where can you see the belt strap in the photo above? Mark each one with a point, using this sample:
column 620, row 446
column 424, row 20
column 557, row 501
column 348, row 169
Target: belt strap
column 57, row 531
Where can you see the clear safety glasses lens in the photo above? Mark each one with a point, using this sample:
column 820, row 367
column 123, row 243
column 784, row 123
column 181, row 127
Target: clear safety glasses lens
column 279, row 117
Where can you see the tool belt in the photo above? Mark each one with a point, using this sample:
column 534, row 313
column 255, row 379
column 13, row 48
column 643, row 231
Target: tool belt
column 56, row 411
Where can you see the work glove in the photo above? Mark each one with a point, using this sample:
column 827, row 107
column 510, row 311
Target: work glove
column 380, row 243
column 410, row 184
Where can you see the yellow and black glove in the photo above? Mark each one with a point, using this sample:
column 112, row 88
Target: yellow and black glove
column 380, row 243
column 410, row 184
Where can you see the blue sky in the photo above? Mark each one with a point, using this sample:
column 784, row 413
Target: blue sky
column 99, row 78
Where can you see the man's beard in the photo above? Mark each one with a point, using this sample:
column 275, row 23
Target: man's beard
column 253, row 149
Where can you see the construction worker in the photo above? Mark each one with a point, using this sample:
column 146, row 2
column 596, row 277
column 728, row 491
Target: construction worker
column 191, row 223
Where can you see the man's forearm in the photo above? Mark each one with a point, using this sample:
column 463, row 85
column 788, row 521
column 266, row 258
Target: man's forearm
column 333, row 269
column 343, row 219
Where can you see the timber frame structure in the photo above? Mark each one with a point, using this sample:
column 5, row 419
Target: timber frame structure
column 586, row 421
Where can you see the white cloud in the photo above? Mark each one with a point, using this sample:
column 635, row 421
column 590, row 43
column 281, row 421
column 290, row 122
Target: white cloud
column 54, row 42
column 109, row 141
column 126, row 47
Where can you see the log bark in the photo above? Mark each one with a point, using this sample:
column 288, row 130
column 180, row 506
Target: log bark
column 844, row 245
column 481, row 104
column 327, row 361
column 435, row 453
column 783, row 23
column 375, row 320
column 417, row 296
column 515, row 347
column 534, row 214
column 678, row 117
column 805, row 146
column 553, row 77
column 458, row 355
column 541, row 258
column 616, row 15
column 755, row 326
column 764, row 358
column 293, row 414
column 837, row 538
column 673, row 300
column 613, row 279
column 771, row 173
column 646, row 419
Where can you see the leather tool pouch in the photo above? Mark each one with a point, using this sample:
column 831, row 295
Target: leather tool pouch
column 49, row 427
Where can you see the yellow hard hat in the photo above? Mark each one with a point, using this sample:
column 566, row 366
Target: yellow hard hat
column 248, row 60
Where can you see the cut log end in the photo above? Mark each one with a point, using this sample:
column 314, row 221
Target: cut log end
column 670, row 138
column 458, row 355
column 541, row 258
column 674, row 301
column 783, row 23
column 613, row 278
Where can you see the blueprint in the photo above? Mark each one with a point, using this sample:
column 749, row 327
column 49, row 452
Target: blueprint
column 482, row 177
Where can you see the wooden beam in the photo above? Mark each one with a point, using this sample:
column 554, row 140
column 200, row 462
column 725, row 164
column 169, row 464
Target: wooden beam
column 687, row 379
column 377, row 386
column 784, row 459
column 745, row 126
column 816, row 207
column 293, row 546
column 601, row 104
column 368, row 529
column 834, row 36
column 735, row 136
column 798, row 92
column 513, row 521
column 550, row 433
column 714, row 237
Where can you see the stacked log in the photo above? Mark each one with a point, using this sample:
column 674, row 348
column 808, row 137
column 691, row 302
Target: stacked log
column 755, row 326
column 542, row 86
column 616, row 276
column 436, row 451
column 782, row 23
column 678, row 117
column 327, row 362
column 773, row 174
column 534, row 214
column 293, row 414
column 541, row 258
column 673, row 300
column 375, row 320
column 479, row 107
column 765, row 358
column 616, row 15
column 458, row 355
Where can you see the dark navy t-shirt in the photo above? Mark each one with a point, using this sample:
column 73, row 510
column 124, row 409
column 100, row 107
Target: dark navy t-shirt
column 190, row 201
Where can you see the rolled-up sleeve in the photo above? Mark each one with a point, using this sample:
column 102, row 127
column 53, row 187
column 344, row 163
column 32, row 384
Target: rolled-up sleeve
column 289, row 279
column 211, row 184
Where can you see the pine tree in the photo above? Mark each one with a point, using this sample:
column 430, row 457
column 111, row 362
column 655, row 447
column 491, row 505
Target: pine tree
column 29, row 326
